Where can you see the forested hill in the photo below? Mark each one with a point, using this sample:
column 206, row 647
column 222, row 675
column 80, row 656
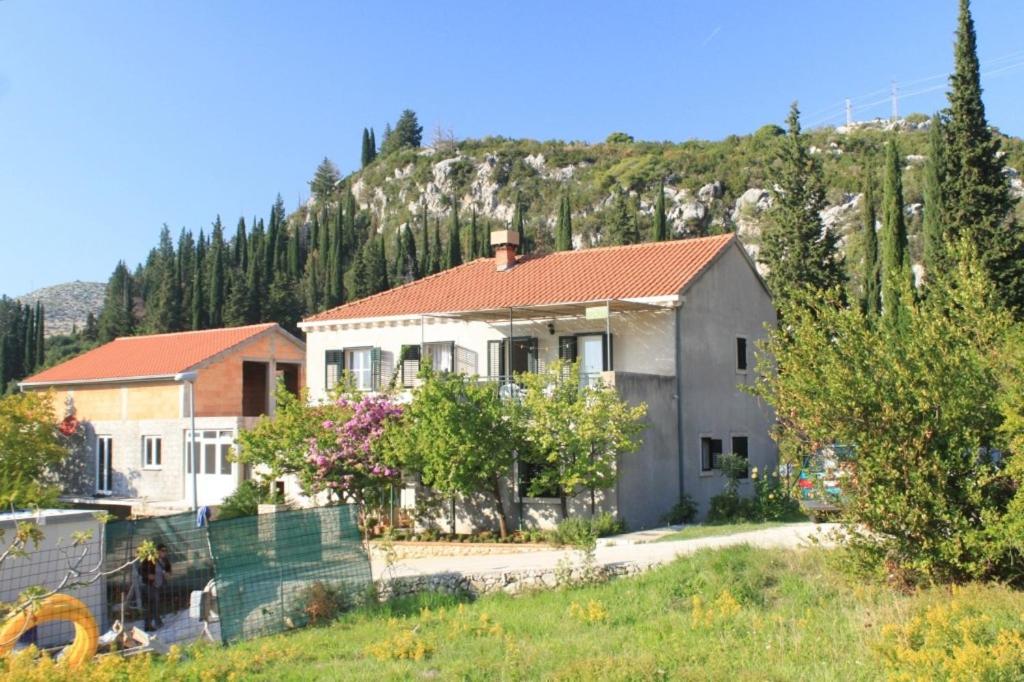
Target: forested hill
column 394, row 219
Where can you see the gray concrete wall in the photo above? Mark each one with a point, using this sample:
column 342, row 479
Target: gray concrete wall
column 648, row 483
column 130, row 478
column 726, row 302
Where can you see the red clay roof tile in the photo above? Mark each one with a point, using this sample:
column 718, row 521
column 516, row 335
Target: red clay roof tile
column 609, row 273
column 132, row 357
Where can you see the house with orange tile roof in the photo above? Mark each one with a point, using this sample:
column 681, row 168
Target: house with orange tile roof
column 671, row 324
column 133, row 398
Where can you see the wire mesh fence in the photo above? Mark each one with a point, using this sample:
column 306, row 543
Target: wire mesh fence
column 225, row 580
column 156, row 596
column 285, row 570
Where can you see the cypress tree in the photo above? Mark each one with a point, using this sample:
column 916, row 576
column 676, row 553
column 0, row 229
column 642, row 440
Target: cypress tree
column 976, row 196
column 425, row 253
column 453, row 254
column 379, row 267
column 366, row 156
column 361, row 286
column 896, row 272
column 91, row 331
column 40, row 334
column 798, row 250
column 563, row 229
column 116, row 317
column 473, row 248
column 313, row 293
column 401, row 269
column 373, row 145
column 240, row 247
column 659, row 231
column 871, row 302
column 217, row 284
column 411, row 261
column 483, row 241
column 254, row 277
column 28, row 341
column 519, row 224
column 935, row 219
column 435, row 249
column 293, row 257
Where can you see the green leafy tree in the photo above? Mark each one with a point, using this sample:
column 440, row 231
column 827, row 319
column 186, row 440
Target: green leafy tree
column 976, row 196
column 473, row 247
column 426, row 250
column 407, row 133
column 457, row 435
column 659, row 231
column 435, row 249
column 799, row 252
column 578, row 432
column 871, row 301
column 325, row 179
column 117, row 316
column 519, row 224
column 281, row 443
column 916, row 400
column 30, row 449
column 896, row 272
column 622, row 227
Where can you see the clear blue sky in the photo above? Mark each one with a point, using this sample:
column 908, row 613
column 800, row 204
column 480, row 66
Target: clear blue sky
column 116, row 117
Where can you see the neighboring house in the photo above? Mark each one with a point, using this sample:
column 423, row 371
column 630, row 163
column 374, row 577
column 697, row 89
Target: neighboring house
column 137, row 415
column 671, row 324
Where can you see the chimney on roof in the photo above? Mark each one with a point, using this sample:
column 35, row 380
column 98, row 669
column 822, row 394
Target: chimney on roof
column 505, row 243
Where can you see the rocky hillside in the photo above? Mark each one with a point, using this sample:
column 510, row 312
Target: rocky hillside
column 67, row 304
column 709, row 186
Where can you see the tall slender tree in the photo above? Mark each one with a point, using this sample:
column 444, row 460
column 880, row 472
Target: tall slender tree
column 117, row 316
column 519, row 224
column 453, row 254
column 871, row 301
column 215, row 308
column 426, row 251
column 412, row 263
column 659, row 230
column 563, row 229
column 896, row 272
column 436, row 261
column 798, row 250
column 40, row 316
column 473, row 248
column 976, row 196
column 367, row 157
column 324, row 180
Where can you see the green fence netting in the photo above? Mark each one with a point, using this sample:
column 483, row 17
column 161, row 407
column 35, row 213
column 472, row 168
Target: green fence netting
column 278, row 571
column 129, row 599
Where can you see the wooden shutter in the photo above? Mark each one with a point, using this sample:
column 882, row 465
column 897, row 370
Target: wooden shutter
column 333, row 359
column 375, row 368
column 410, row 365
column 495, row 359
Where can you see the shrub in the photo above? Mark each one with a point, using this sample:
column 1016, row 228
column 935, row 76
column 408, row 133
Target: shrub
column 322, row 603
column 580, row 531
column 772, row 499
column 246, row 499
column 684, row 511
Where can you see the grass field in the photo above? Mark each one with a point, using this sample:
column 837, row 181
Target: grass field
column 733, row 614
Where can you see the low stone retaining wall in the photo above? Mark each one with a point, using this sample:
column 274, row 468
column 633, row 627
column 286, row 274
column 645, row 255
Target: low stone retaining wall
column 422, row 550
column 509, row 582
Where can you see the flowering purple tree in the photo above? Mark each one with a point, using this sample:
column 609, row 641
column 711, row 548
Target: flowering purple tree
column 349, row 465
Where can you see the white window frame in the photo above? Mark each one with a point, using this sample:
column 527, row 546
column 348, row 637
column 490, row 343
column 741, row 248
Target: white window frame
column 430, row 348
column 220, row 438
column 104, row 455
column 148, row 449
column 358, row 375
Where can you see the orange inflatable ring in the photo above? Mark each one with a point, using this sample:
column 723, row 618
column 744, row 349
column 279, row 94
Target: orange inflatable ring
column 56, row 607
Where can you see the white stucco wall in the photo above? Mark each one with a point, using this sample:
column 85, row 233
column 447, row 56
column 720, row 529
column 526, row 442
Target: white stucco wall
column 727, row 302
column 642, row 341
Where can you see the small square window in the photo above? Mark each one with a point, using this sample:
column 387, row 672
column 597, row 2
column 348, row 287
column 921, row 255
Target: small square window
column 710, row 453
column 741, row 354
column 152, row 456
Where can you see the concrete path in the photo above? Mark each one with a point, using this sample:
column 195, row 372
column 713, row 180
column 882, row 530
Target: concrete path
column 633, row 548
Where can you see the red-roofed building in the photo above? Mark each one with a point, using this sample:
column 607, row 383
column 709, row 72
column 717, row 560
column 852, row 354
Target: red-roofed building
column 671, row 324
column 132, row 396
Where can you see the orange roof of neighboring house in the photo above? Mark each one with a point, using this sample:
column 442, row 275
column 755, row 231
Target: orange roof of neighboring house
column 609, row 273
column 158, row 355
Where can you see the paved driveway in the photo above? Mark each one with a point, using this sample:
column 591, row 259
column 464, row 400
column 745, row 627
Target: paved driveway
column 611, row 551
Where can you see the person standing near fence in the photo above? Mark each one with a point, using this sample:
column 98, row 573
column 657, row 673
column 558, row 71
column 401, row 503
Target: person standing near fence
column 155, row 575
